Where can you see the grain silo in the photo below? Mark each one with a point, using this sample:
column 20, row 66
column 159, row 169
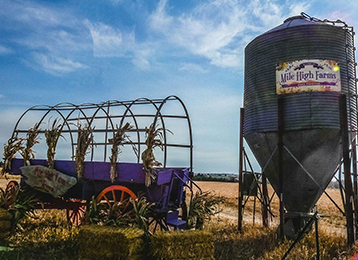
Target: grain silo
column 308, row 64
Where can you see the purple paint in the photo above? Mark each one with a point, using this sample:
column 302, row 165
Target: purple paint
column 127, row 172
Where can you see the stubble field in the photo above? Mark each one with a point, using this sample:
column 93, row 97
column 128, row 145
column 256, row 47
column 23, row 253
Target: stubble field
column 255, row 242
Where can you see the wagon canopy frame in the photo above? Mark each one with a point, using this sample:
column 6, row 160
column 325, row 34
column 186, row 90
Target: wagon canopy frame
column 89, row 113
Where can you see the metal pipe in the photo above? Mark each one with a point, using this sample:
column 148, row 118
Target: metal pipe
column 265, row 219
column 241, row 148
column 280, row 145
column 347, row 166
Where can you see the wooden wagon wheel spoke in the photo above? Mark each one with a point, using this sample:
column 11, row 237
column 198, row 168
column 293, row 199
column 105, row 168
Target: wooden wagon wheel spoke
column 108, row 202
column 114, row 195
column 109, row 195
column 12, row 185
column 125, row 203
column 76, row 212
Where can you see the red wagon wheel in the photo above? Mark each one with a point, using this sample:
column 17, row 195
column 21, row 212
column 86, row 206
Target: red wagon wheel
column 116, row 194
column 12, row 185
column 76, row 212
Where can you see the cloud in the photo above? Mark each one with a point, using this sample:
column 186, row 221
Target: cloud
column 29, row 14
column 48, row 35
column 219, row 30
column 5, row 50
column 56, row 65
column 109, row 41
column 297, row 8
column 160, row 20
column 207, row 30
column 191, row 67
column 113, row 42
column 141, row 57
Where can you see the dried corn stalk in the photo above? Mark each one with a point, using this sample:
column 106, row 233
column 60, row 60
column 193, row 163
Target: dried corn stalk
column 13, row 146
column 84, row 140
column 52, row 135
column 118, row 139
column 154, row 139
column 31, row 139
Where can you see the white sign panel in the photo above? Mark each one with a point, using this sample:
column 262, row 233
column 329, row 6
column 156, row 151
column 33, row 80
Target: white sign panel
column 307, row 75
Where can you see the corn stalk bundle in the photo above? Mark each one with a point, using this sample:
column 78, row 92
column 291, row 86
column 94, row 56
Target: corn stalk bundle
column 154, row 139
column 13, row 146
column 31, row 139
column 118, row 139
column 84, row 140
column 52, row 135
column 202, row 208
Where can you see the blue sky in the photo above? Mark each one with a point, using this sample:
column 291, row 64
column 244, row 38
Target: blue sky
column 93, row 51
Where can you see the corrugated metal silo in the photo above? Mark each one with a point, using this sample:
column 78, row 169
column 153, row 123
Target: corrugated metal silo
column 308, row 63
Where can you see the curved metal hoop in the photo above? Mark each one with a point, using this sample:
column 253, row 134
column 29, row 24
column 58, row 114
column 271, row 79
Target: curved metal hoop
column 93, row 114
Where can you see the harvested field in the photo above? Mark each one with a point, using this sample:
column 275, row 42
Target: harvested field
column 331, row 216
column 50, row 237
column 332, row 219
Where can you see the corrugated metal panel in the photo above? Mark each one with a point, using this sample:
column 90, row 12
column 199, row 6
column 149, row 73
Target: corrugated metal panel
column 312, row 120
column 304, row 40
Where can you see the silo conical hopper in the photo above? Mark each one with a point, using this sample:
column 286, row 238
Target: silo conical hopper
column 309, row 64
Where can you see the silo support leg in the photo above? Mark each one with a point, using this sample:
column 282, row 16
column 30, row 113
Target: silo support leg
column 265, row 199
column 280, row 145
column 355, row 184
column 347, row 169
column 241, row 158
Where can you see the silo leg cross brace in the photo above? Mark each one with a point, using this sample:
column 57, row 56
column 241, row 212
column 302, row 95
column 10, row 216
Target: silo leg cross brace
column 262, row 194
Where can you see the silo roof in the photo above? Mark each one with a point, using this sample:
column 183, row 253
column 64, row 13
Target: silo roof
column 293, row 21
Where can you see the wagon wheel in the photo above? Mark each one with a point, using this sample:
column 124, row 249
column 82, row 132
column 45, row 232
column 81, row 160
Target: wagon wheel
column 11, row 192
column 76, row 212
column 116, row 194
column 157, row 221
column 12, row 185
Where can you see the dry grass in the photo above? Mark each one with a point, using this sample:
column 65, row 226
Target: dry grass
column 50, row 231
column 257, row 242
column 332, row 219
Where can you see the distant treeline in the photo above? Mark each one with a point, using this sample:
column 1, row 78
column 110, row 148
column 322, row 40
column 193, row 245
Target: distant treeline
column 234, row 178
column 215, row 177
column 333, row 185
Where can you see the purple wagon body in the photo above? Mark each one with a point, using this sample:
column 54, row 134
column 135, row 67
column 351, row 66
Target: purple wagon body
column 167, row 191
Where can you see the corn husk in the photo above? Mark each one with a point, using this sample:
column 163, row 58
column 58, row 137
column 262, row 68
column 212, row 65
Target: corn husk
column 203, row 206
column 84, row 140
column 13, row 146
column 52, row 136
column 119, row 138
column 154, row 138
column 31, row 139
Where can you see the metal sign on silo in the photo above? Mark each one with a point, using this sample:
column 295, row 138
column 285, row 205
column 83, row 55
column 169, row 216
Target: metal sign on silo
column 308, row 63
